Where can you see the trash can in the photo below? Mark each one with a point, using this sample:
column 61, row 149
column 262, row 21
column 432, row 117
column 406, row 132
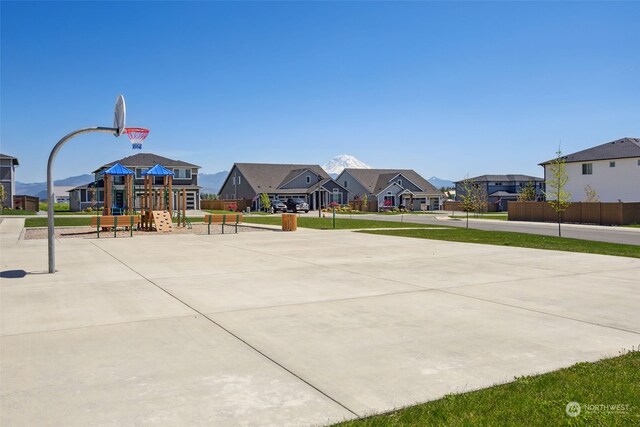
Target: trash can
column 289, row 222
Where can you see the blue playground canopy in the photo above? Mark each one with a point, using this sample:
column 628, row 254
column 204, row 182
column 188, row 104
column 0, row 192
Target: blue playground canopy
column 158, row 170
column 118, row 169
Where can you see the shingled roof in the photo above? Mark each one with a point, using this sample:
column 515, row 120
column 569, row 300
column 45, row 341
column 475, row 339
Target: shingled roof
column 618, row 149
column 376, row 180
column 14, row 160
column 505, row 178
column 147, row 160
column 266, row 177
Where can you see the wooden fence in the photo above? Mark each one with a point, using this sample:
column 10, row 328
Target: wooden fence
column 26, row 203
column 450, row 205
column 357, row 205
column 225, row 205
column 601, row 213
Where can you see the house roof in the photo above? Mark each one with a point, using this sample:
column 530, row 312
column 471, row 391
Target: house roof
column 118, row 169
column 14, row 160
column 147, row 160
column 158, row 170
column 504, row 178
column 267, row 177
column 376, row 180
column 503, row 194
column 618, row 149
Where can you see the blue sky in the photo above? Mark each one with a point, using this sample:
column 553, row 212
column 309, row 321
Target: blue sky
column 445, row 88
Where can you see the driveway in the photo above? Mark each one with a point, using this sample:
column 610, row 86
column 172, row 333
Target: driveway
column 302, row 328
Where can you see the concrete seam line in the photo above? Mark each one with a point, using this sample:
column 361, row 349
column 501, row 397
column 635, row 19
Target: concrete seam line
column 538, row 311
column 234, row 335
column 184, row 316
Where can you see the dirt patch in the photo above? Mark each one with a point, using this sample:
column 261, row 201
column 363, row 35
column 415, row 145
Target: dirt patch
column 90, row 233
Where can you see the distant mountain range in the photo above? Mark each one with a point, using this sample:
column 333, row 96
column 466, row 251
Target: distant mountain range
column 210, row 183
column 39, row 189
column 439, row 183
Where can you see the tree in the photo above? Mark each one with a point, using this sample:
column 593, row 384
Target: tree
column 528, row 193
column 557, row 196
column 591, row 195
column 480, row 198
column 265, row 201
column 3, row 195
column 467, row 195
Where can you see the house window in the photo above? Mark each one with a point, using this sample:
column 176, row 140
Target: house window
column 182, row 173
column 498, row 183
column 308, row 179
column 345, row 183
column 140, row 171
column 118, row 179
column 238, row 180
column 587, row 168
column 612, row 164
column 400, row 182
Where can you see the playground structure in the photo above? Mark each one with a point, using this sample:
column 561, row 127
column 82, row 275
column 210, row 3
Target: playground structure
column 112, row 204
column 157, row 203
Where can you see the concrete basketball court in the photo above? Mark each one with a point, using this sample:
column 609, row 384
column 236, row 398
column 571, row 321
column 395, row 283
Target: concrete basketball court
column 303, row 328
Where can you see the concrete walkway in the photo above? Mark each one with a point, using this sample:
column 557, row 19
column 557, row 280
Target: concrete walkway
column 303, row 328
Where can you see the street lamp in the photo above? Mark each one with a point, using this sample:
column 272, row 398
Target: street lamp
column 318, row 197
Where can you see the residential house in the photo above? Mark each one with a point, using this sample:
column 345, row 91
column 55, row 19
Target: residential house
column 392, row 188
column 92, row 194
column 61, row 193
column 611, row 169
column 502, row 189
column 8, row 178
column 280, row 182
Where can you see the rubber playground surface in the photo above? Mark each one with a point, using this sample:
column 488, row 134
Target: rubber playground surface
column 302, row 328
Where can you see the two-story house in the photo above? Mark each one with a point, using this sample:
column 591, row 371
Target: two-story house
column 502, row 189
column 92, row 194
column 280, row 182
column 8, row 178
column 392, row 188
column 612, row 170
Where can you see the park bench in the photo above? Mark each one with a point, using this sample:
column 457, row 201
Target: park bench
column 224, row 219
column 115, row 221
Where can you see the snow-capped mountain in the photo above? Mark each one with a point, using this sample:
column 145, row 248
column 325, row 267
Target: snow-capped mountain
column 439, row 183
column 338, row 163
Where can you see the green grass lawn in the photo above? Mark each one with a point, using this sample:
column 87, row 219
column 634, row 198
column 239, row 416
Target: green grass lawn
column 522, row 240
column 57, row 221
column 57, row 207
column 16, row 212
column 341, row 223
column 539, row 400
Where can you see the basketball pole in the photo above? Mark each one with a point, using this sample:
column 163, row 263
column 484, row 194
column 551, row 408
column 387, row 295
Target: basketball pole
column 51, row 199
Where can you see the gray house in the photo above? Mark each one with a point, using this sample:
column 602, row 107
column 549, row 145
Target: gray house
column 501, row 189
column 8, row 178
column 282, row 181
column 392, row 188
column 186, row 177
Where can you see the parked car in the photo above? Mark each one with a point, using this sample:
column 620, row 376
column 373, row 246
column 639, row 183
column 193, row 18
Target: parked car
column 278, row 206
column 296, row 205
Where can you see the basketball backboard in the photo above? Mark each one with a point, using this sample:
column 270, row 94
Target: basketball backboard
column 119, row 115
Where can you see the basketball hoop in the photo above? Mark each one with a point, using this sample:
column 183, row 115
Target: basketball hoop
column 136, row 135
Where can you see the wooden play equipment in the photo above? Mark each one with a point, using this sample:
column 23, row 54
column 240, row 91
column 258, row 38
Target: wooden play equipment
column 156, row 202
column 181, row 208
column 126, row 203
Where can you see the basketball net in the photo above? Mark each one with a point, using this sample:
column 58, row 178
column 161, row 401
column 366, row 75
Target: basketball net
column 136, row 135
